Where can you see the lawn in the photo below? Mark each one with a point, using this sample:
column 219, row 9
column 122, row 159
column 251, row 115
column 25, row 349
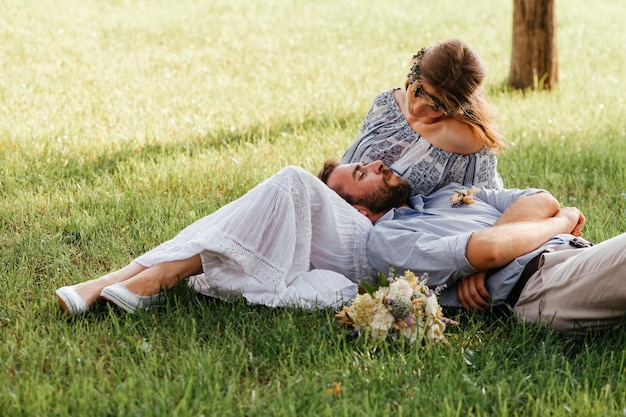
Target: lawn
column 123, row 121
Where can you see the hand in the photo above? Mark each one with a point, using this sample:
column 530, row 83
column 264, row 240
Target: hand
column 472, row 292
column 576, row 218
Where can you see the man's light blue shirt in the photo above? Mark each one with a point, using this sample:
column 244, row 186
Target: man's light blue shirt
column 432, row 237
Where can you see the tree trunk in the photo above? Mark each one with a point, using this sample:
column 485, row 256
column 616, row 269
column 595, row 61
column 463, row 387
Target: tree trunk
column 534, row 60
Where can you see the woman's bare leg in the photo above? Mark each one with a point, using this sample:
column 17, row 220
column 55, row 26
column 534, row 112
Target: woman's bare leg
column 161, row 276
column 138, row 279
column 90, row 290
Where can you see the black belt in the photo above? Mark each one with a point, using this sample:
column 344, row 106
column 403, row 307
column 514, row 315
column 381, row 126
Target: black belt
column 533, row 266
column 530, row 268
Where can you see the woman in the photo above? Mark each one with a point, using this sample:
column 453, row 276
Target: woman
column 290, row 241
column 439, row 129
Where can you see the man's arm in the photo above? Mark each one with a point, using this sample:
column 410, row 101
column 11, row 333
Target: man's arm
column 471, row 290
column 531, row 207
column 496, row 246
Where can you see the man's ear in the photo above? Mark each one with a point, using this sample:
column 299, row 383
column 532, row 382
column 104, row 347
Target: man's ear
column 367, row 212
column 361, row 209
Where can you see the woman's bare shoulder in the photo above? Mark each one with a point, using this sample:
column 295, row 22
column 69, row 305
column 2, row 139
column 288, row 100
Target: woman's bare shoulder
column 452, row 136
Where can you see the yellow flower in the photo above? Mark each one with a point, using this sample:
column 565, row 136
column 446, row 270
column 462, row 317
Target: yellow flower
column 362, row 310
column 343, row 316
column 411, row 278
column 461, row 197
column 334, row 390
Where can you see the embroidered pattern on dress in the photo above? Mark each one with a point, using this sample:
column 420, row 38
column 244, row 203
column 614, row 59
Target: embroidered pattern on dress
column 386, row 135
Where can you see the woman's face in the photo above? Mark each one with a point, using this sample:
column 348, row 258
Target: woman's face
column 427, row 104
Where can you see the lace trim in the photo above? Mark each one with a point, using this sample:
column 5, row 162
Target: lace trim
column 257, row 267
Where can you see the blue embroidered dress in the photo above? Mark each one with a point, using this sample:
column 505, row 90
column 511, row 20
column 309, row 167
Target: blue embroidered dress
column 387, row 136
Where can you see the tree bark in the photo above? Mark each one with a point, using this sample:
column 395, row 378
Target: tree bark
column 534, row 60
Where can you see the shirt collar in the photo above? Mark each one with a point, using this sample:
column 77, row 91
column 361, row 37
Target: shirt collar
column 397, row 212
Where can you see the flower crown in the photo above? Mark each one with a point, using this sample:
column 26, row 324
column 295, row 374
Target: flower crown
column 414, row 75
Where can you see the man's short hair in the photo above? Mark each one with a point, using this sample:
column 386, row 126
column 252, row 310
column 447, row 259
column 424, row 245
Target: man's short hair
column 324, row 173
column 327, row 169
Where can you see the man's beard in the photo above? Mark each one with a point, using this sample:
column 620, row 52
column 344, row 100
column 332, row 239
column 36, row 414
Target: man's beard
column 385, row 198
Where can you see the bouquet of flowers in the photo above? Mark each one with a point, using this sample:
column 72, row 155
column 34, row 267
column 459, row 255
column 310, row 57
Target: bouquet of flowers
column 398, row 307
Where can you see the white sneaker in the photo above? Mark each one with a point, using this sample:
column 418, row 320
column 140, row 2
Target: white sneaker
column 122, row 297
column 72, row 303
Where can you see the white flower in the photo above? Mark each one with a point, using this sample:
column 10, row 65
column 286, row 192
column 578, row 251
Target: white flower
column 381, row 324
column 410, row 333
column 435, row 333
column 432, row 306
column 400, row 288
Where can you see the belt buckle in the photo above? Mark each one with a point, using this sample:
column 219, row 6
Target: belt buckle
column 579, row 242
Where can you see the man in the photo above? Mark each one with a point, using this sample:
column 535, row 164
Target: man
column 490, row 247
column 292, row 241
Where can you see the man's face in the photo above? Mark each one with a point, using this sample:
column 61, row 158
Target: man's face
column 373, row 186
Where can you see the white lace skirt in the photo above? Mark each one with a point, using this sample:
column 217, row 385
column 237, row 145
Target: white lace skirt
column 290, row 241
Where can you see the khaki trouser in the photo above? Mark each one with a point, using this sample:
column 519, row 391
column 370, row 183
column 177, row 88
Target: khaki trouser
column 578, row 289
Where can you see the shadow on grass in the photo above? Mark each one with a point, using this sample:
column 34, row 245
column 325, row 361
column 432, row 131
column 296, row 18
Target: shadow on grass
column 95, row 162
column 502, row 324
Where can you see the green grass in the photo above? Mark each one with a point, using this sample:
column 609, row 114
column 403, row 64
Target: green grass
column 123, row 121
